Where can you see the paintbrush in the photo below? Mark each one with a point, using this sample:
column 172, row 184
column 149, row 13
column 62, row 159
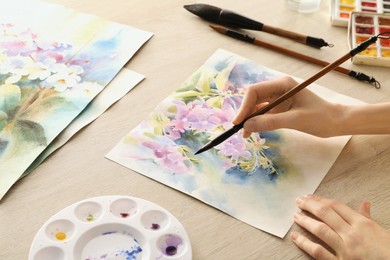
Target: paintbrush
column 219, row 139
column 246, row 38
column 231, row 19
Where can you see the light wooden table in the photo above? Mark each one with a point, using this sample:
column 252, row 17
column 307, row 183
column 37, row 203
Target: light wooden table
column 181, row 43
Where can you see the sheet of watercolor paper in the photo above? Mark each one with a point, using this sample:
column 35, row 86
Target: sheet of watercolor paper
column 255, row 180
column 115, row 90
column 53, row 62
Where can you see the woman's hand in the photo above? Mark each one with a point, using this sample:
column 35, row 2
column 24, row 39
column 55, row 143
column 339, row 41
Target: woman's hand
column 348, row 233
column 305, row 111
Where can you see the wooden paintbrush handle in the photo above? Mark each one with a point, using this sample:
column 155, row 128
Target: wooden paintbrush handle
column 284, row 33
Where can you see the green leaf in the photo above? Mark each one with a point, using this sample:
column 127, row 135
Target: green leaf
column 3, row 119
column 215, row 101
column 48, row 105
column 187, row 94
column 172, row 109
column 27, row 131
column 223, row 76
column 205, row 86
column 191, row 83
column 10, row 96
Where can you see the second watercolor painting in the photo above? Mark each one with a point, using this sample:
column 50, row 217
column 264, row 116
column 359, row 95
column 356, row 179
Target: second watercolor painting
column 255, row 180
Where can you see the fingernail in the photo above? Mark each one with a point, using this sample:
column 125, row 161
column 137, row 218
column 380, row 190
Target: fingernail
column 299, row 200
column 297, row 215
column 250, row 125
column 294, row 235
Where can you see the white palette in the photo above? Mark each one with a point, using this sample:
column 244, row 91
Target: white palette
column 111, row 227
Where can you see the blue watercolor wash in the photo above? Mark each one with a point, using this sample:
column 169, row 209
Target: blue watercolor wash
column 236, row 175
column 221, row 65
column 270, row 136
column 213, row 86
column 3, row 146
column 130, row 254
column 240, row 76
column 109, row 44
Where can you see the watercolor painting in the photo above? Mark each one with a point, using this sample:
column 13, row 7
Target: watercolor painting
column 255, row 180
column 115, row 90
column 49, row 72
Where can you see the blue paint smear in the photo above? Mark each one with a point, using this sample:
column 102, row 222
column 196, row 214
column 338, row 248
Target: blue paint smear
column 270, row 136
column 109, row 44
column 130, row 254
column 3, row 146
column 221, row 65
column 109, row 233
column 235, row 175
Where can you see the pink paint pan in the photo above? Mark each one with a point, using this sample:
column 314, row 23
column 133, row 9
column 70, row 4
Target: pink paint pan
column 111, row 227
column 362, row 26
column 341, row 9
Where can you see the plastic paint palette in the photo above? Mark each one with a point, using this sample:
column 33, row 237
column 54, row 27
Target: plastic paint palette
column 341, row 9
column 111, row 227
column 362, row 26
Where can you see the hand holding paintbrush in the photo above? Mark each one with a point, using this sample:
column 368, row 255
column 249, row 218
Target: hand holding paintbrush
column 289, row 93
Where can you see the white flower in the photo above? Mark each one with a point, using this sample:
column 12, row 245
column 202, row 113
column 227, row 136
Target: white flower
column 41, row 70
column 64, row 77
column 15, row 65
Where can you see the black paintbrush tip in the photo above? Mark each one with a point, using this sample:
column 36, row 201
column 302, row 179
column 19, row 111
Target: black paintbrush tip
column 222, row 137
column 204, row 11
column 204, row 148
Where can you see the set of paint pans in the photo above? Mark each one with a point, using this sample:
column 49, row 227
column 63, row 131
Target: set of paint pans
column 341, row 9
column 362, row 26
column 111, row 227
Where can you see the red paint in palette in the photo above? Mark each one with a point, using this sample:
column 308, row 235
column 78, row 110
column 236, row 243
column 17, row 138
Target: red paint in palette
column 384, row 21
column 364, row 19
column 364, row 30
column 369, row 4
column 124, row 215
column 155, row 226
column 385, row 42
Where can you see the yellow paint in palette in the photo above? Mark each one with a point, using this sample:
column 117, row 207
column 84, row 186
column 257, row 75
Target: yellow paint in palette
column 60, row 235
column 347, row 2
column 90, row 217
column 370, row 52
column 386, row 53
column 362, row 26
column 346, row 9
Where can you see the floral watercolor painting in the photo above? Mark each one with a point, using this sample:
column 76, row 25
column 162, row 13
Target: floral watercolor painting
column 49, row 72
column 254, row 180
column 123, row 82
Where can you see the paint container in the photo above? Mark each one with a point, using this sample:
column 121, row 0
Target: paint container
column 111, row 227
column 362, row 26
column 304, row 6
column 341, row 9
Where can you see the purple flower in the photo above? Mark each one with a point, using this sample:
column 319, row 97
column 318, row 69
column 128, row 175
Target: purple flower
column 168, row 156
column 234, row 147
column 199, row 115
